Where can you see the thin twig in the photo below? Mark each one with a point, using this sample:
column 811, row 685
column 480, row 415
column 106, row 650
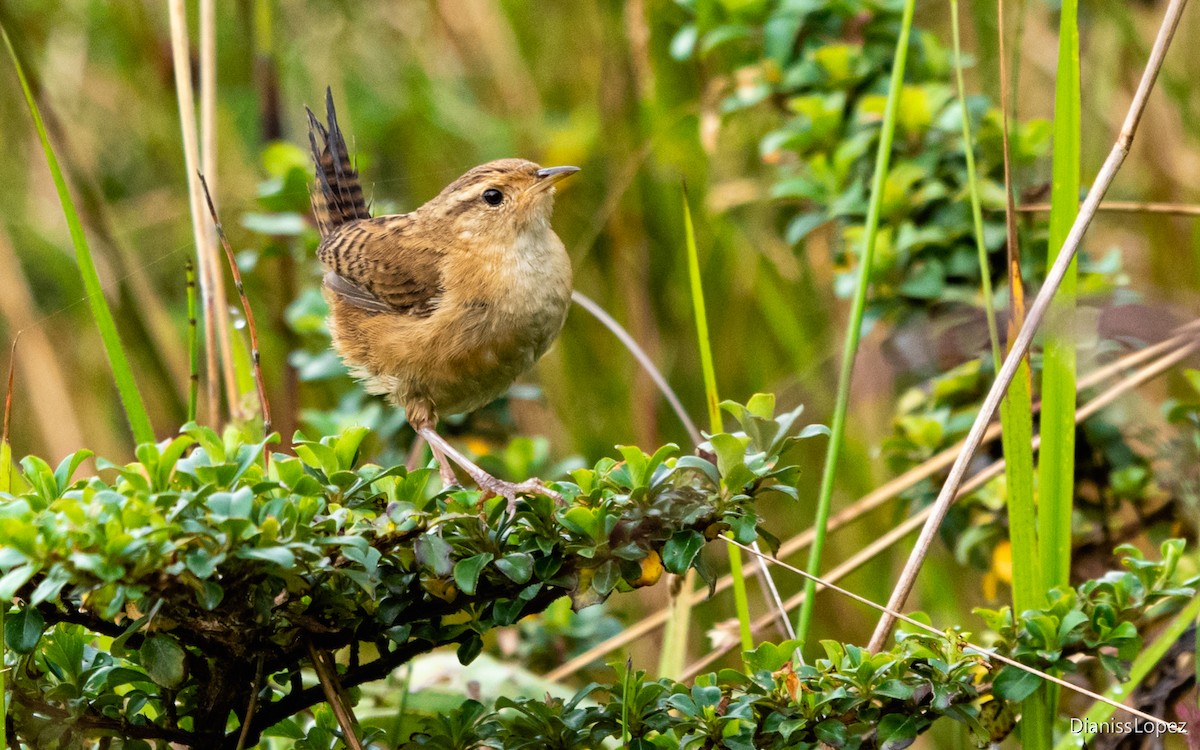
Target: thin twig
column 643, row 359
column 984, row 652
column 241, row 290
column 1174, row 350
column 253, row 706
column 1036, row 312
column 335, row 695
column 1016, row 288
column 1132, row 207
column 12, row 374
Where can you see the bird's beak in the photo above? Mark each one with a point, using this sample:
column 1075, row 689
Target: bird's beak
column 547, row 177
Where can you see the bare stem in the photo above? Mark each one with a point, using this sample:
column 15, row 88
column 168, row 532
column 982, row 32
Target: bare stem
column 252, row 708
column 241, row 290
column 335, row 695
column 643, row 359
column 1133, row 207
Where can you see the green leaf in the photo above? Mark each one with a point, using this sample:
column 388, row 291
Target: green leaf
column 606, row 577
column 13, row 580
column 23, row 630
column 466, row 571
column 1015, row 684
column 897, row 731
column 832, row 732
column 469, row 649
column 434, row 553
column 347, row 445
column 66, row 468
column 681, row 549
column 770, row 657
column 164, row 660
column 281, row 556
column 583, row 521
column 731, row 452
column 518, row 566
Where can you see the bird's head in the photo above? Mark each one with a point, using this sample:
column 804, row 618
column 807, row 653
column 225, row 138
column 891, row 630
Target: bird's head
column 499, row 200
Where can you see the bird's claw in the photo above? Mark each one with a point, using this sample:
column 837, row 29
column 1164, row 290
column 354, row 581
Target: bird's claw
column 493, row 487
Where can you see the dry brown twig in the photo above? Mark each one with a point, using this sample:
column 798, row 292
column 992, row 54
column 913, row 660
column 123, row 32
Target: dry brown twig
column 252, row 707
column 241, row 290
column 1037, row 311
column 1129, row 207
column 335, row 695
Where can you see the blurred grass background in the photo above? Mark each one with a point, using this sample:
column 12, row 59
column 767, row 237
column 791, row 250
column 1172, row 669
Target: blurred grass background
column 426, row 89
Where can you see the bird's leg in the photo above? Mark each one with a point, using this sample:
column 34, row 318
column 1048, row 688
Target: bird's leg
column 488, row 483
column 444, row 468
column 415, row 452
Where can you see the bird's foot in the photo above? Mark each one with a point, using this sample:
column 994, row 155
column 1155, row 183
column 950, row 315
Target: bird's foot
column 491, row 486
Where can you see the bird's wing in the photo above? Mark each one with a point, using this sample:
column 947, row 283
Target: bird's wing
column 383, row 265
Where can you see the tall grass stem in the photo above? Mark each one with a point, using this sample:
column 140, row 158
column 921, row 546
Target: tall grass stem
column 854, row 330
column 127, row 388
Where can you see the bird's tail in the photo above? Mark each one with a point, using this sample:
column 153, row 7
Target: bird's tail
column 337, row 197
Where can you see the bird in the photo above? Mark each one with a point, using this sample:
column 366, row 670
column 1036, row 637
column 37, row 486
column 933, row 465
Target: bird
column 441, row 309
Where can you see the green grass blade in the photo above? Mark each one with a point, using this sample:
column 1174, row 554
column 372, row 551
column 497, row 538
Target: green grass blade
column 675, row 635
column 131, row 398
column 1056, row 462
column 193, row 342
column 1056, row 465
column 1016, row 418
column 985, row 272
column 854, row 331
column 712, row 400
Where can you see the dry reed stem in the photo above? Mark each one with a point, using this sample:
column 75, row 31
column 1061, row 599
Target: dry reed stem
column 1133, row 207
column 252, row 708
column 984, row 652
column 8, row 394
column 208, row 167
column 212, row 284
column 1036, row 312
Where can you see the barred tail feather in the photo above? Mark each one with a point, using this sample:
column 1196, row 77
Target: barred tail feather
column 337, row 197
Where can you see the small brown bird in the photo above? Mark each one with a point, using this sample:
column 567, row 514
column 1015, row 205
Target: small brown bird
column 442, row 308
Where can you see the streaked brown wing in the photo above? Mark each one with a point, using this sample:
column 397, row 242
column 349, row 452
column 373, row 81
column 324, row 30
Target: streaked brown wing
column 382, row 265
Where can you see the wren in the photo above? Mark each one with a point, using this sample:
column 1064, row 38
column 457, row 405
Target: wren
column 441, row 309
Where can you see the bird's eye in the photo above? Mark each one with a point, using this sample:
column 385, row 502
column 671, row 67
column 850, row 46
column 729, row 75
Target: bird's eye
column 493, row 197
